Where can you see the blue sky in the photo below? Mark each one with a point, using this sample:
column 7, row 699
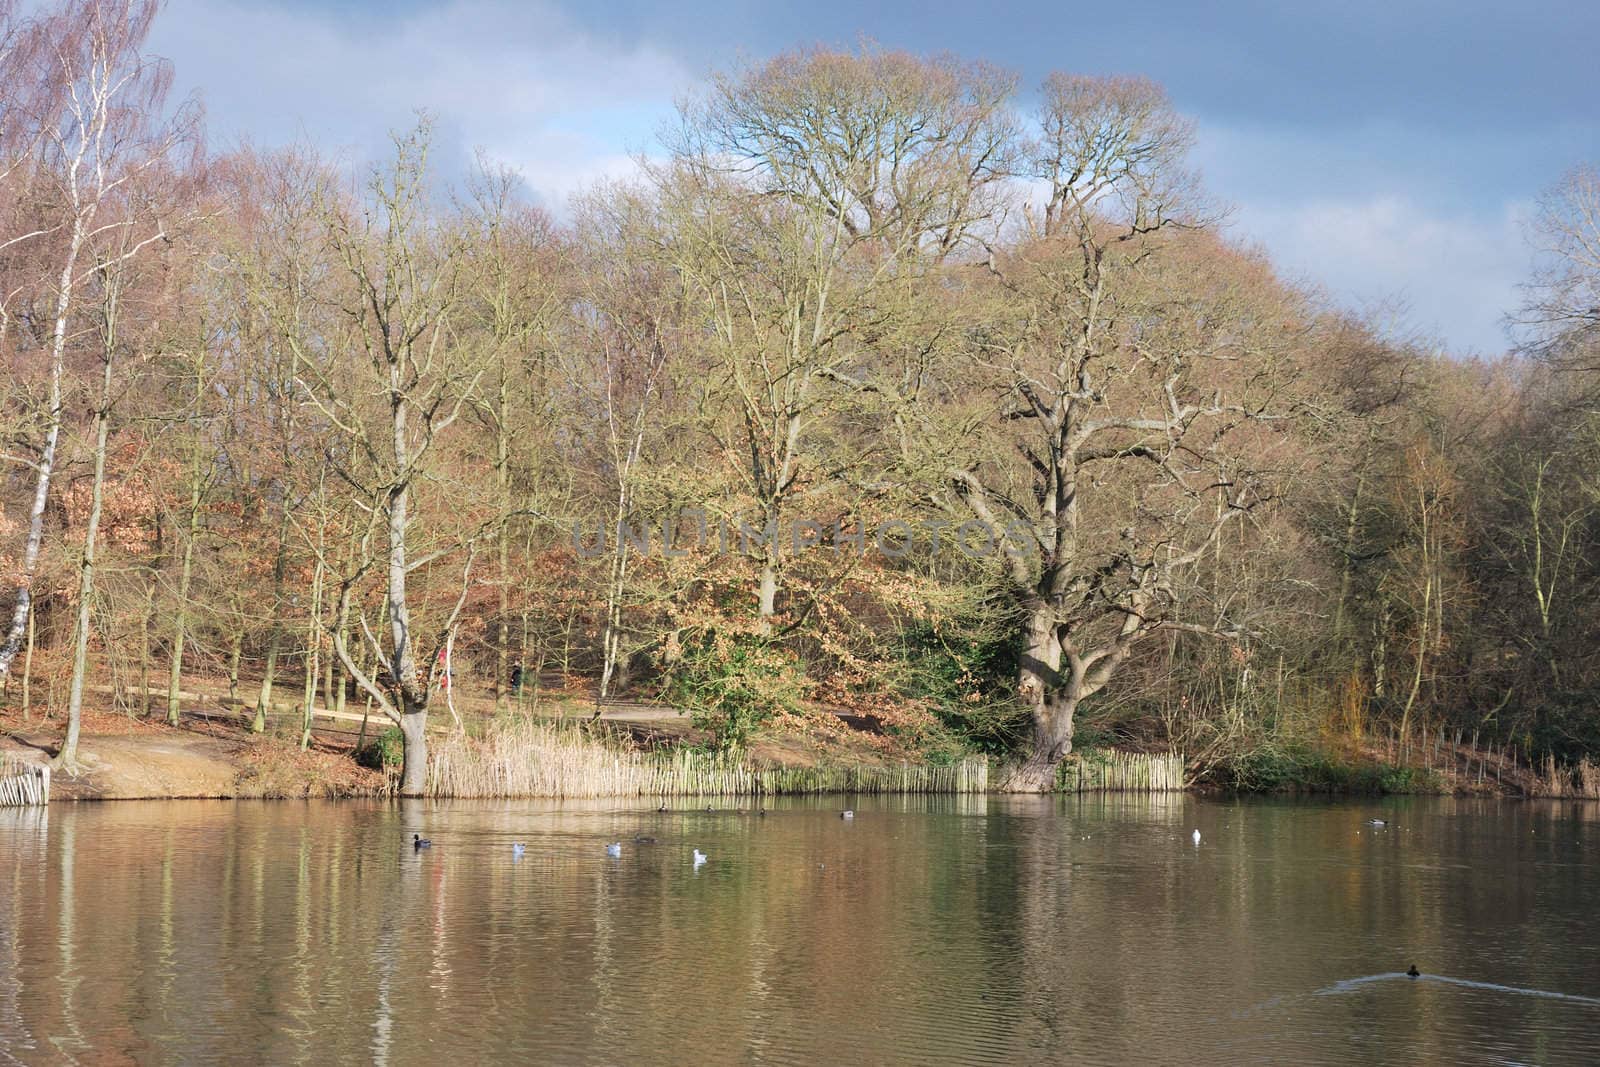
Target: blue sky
column 1386, row 152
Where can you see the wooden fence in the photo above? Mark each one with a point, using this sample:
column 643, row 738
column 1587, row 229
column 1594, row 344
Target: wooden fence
column 1104, row 770
column 23, row 784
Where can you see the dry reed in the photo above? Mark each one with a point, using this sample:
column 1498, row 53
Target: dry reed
column 524, row 759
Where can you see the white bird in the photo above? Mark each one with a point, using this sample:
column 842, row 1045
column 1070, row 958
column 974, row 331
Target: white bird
column 699, row 857
column 847, row 814
column 614, row 849
column 1197, row 837
column 518, row 849
column 1378, row 822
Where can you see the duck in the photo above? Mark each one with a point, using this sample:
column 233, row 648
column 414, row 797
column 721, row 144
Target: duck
column 614, row 849
column 418, row 842
column 662, row 810
column 699, row 857
column 1413, row 972
column 847, row 814
column 1196, row 836
column 644, row 839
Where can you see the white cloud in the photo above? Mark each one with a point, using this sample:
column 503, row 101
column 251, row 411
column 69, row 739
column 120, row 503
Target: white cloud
column 1359, row 213
column 520, row 80
column 1456, row 273
column 1375, row 214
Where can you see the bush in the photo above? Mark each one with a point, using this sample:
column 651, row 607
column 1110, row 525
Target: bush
column 967, row 680
column 387, row 750
column 1301, row 769
column 733, row 681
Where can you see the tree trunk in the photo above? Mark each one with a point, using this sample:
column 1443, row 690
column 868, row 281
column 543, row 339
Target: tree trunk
column 411, row 691
column 67, row 758
column 180, row 628
column 235, row 654
column 27, row 669
column 1051, row 709
column 313, row 643
column 1051, row 743
column 767, row 604
column 611, row 639
column 180, row 618
column 47, row 459
column 414, row 773
column 146, row 627
column 274, row 636
column 502, row 467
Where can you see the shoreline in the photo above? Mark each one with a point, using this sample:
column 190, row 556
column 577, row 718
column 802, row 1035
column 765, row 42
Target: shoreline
column 163, row 763
column 214, row 756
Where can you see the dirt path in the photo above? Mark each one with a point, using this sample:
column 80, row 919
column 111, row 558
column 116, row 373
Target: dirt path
column 121, row 758
column 138, row 766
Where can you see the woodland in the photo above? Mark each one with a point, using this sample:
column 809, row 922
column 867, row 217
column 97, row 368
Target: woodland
column 1021, row 450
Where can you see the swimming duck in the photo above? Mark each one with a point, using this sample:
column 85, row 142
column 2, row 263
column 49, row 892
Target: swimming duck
column 644, row 839
column 420, row 842
column 614, row 849
column 662, row 809
column 1413, row 972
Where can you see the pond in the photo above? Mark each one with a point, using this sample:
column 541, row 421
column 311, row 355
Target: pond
column 923, row 930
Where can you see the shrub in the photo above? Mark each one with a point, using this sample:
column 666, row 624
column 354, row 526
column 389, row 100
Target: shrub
column 966, row 677
column 732, row 681
column 386, row 750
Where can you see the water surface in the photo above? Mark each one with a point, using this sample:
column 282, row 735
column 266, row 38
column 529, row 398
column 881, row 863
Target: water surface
column 925, row 930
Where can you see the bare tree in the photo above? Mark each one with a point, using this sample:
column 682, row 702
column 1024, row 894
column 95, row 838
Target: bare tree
column 1560, row 316
column 106, row 136
column 806, row 197
column 619, row 370
column 1125, row 360
column 515, row 258
column 403, row 270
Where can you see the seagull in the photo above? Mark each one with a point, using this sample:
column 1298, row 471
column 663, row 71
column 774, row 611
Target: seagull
column 1196, row 836
column 614, row 849
column 1377, row 822
column 418, row 842
column 847, row 814
column 699, row 857
column 518, row 849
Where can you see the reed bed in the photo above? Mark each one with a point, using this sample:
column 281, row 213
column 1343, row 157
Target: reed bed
column 23, row 784
column 1122, row 772
column 1578, row 781
column 523, row 759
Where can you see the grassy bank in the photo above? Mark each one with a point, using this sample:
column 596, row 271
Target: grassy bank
column 1437, row 766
